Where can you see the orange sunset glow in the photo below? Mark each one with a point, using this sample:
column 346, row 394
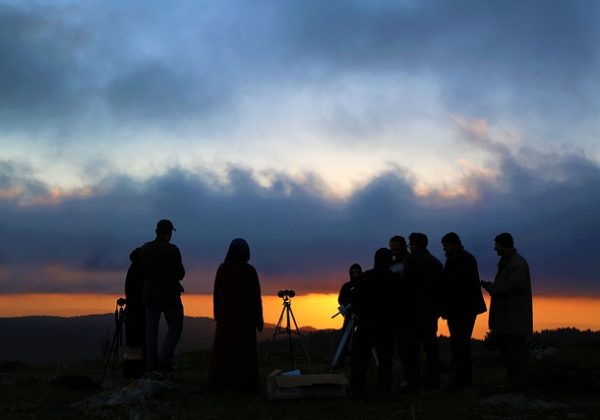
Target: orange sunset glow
column 313, row 310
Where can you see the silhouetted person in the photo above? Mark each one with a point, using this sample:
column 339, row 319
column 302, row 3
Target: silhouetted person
column 423, row 274
column 345, row 295
column 238, row 313
column 462, row 301
column 511, row 311
column 400, row 252
column 345, row 300
column 373, row 304
column 404, row 321
column 135, row 318
column 163, row 271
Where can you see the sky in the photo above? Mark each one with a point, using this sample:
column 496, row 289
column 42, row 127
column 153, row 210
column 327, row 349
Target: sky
column 315, row 130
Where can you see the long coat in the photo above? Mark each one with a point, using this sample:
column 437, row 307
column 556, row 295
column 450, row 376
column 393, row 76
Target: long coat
column 511, row 308
column 238, row 312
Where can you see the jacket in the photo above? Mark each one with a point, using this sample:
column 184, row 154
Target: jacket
column 162, row 270
column 511, row 308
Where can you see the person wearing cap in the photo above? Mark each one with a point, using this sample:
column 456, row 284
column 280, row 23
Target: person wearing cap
column 462, row 301
column 511, row 310
column 163, row 271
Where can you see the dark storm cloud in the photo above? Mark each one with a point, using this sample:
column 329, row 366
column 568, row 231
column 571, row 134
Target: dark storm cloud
column 484, row 55
column 193, row 60
column 37, row 67
column 297, row 235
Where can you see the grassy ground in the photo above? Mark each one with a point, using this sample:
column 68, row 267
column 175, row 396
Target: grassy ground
column 568, row 379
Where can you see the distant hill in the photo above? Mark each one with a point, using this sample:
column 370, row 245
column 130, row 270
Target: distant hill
column 49, row 339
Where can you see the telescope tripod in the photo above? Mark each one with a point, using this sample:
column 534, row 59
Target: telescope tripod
column 279, row 329
column 117, row 341
column 345, row 343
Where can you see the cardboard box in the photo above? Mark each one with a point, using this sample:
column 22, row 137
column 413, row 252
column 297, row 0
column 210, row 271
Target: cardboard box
column 281, row 387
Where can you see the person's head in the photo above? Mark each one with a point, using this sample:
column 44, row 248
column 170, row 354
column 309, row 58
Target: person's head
column 418, row 241
column 451, row 243
column 398, row 246
column 355, row 271
column 238, row 251
column 504, row 244
column 383, row 259
column 164, row 229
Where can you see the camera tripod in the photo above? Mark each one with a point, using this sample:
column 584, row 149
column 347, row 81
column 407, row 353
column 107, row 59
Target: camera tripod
column 117, row 341
column 286, row 295
column 345, row 340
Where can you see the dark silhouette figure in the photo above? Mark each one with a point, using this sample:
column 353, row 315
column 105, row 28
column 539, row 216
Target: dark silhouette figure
column 347, row 289
column 238, row 313
column 163, row 271
column 345, row 302
column 462, row 301
column 511, row 311
column 423, row 275
column 135, row 318
column 400, row 251
column 345, row 295
column 375, row 312
column 404, row 321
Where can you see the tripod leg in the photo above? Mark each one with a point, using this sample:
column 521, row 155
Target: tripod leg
column 344, row 339
column 288, row 330
column 110, row 354
column 301, row 340
column 275, row 333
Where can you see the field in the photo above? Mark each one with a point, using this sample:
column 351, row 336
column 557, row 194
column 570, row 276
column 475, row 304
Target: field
column 565, row 383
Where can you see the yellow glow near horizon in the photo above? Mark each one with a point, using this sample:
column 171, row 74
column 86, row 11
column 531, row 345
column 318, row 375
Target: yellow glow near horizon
column 310, row 310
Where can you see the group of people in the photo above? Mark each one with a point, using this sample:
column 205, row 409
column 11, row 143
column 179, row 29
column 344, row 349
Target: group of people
column 153, row 288
column 397, row 305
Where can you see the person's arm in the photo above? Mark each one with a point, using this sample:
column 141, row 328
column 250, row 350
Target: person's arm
column 179, row 271
column 258, row 299
column 515, row 280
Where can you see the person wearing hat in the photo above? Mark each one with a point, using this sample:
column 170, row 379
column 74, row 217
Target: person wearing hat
column 511, row 310
column 162, row 271
column 461, row 302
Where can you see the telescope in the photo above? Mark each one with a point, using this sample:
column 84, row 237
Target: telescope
column 286, row 294
column 342, row 310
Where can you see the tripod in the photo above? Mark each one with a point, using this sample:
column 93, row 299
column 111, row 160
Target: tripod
column 343, row 343
column 286, row 295
column 117, row 341
column 346, row 338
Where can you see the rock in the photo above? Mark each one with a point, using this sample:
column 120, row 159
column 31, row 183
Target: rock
column 517, row 402
column 139, row 391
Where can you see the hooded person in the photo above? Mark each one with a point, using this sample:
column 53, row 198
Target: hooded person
column 345, row 302
column 238, row 312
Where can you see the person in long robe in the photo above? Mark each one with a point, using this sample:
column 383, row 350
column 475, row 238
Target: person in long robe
column 238, row 313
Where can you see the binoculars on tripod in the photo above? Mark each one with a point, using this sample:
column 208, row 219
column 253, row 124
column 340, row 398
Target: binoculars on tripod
column 286, row 294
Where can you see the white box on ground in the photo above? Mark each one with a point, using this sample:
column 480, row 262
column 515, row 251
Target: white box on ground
column 281, row 387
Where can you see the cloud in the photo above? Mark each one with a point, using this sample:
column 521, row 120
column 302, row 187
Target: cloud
column 198, row 61
column 298, row 235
